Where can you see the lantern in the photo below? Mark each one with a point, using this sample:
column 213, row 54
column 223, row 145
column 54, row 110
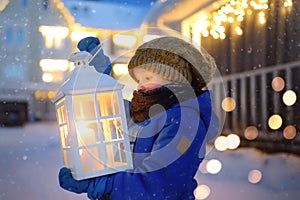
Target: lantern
column 92, row 122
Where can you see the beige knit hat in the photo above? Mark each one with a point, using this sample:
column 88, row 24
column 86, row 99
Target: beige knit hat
column 176, row 60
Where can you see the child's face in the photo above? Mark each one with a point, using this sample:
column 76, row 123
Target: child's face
column 148, row 80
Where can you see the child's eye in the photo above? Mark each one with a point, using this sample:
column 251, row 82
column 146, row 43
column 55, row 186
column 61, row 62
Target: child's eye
column 147, row 78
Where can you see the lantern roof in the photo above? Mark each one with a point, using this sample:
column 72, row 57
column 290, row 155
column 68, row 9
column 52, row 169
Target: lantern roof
column 86, row 80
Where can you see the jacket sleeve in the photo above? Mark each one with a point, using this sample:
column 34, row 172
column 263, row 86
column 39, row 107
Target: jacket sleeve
column 167, row 172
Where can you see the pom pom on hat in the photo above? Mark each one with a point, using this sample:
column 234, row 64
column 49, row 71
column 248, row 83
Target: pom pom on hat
column 176, row 60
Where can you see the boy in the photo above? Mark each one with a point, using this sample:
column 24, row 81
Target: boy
column 172, row 116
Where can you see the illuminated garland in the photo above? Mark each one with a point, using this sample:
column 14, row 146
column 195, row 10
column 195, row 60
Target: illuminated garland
column 213, row 24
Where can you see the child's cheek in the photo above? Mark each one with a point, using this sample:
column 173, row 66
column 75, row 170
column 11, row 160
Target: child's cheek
column 150, row 86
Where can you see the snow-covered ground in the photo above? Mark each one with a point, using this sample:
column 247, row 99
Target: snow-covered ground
column 30, row 158
column 277, row 176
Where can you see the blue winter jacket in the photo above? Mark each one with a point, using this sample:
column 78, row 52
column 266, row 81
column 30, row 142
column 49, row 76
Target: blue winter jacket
column 167, row 151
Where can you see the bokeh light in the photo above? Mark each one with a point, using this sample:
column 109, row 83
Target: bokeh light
column 228, row 104
column 289, row 132
column 201, row 192
column 47, row 77
column 120, row 69
column 254, row 176
column 213, row 166
column 251, row 133
column 51, row 94
column 232, row 141
column 220, row 143
column 275, row 122
column 289, row 98
column 278, row 84
column 38, row 94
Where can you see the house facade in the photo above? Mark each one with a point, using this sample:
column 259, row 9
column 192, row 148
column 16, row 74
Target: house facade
column 35, row 42
column 37, row 39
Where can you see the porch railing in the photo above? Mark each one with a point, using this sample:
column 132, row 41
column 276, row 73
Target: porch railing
column 256, row 101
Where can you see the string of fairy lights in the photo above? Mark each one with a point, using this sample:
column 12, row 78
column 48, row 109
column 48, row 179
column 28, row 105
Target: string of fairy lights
column 233, row 12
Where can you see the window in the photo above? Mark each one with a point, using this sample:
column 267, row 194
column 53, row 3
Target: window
column 24, row 3
column 9, row 36
column 20, row 37
column 54, row 36
column 14, row 36
column 14, row 72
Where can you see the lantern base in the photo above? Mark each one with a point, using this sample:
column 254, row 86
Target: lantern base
column 86, row 175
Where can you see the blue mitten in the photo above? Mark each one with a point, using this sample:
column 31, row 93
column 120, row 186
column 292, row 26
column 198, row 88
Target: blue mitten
column 101, row 62
column 67, row 182
column 88, row 44
column 98, row 188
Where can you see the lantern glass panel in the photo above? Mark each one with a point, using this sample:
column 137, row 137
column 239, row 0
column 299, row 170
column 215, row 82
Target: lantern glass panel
column 64, row 136
column 84, row 107
column 87, row 132
column 66, row 158
column 116, row 155
column 112, row 129
column 90, row 159
column 61, row 114
column 62, row 123
column 108, row 103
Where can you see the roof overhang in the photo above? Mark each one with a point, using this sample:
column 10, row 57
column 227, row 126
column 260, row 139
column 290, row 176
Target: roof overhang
column 173, row 12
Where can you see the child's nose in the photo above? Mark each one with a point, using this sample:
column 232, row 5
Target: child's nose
column 140, row 86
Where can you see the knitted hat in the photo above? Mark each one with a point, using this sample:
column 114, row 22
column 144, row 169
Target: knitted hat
column 176, row 60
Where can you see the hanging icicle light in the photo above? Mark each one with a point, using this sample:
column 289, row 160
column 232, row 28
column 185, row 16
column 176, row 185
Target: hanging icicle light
column 232, row 12
column 262, row 17
column 238, row 30
column 288, row 3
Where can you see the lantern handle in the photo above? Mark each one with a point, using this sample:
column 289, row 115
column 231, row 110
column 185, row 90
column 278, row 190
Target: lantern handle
column 98, row 50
